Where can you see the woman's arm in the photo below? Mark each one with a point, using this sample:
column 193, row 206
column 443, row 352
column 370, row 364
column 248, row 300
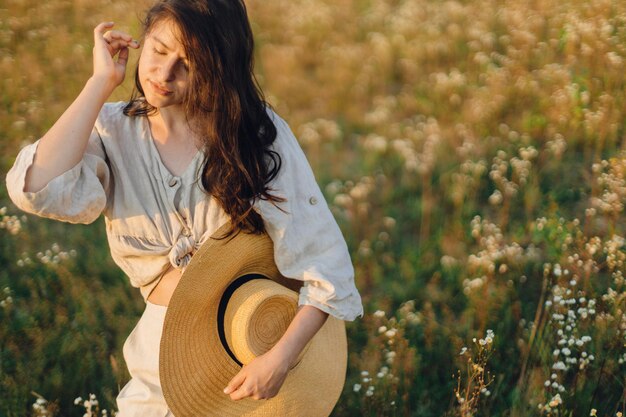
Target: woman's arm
column 71, row 131
column 263, row 376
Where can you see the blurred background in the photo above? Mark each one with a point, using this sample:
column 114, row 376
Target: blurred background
column 473, row 153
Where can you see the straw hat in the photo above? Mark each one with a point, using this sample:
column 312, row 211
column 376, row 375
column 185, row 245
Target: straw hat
column 231, row 305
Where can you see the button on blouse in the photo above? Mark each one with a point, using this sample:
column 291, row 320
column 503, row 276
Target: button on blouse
column 155, row 219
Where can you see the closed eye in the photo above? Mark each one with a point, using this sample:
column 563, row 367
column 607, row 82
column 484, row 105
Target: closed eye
column 158, row 52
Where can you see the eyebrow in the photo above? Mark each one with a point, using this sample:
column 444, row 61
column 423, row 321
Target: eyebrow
column 166, row 47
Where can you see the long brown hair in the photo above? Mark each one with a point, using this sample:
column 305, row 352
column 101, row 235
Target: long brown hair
column 226, row 103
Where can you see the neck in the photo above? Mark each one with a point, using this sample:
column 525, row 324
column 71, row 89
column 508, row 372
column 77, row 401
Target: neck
column 170, row 119
column 169, row 122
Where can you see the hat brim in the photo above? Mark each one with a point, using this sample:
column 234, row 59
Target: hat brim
column 194, row 366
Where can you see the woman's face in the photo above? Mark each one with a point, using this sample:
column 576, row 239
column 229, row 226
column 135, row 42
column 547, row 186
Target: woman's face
column 163, row 66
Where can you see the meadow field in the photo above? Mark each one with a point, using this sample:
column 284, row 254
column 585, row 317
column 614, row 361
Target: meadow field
column 473, row 153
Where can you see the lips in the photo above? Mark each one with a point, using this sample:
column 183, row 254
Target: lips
column 160, row 90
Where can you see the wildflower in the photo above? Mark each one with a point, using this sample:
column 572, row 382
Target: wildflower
column 463, row 350
column 555, row 401
column 379, row 314
column 593, row 412
column 389, row 222
column 357, row 387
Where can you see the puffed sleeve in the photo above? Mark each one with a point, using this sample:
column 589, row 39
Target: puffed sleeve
column 308, row 244
column 78, row 195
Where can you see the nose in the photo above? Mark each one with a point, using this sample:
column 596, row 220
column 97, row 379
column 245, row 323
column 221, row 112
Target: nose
column 167, row 71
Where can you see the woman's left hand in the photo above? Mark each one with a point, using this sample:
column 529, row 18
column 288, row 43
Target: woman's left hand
column 261, row 378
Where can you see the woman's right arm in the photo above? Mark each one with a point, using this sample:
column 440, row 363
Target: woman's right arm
column 63, row 146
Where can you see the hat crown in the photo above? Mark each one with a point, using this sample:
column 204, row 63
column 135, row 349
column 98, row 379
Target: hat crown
column 257, row 315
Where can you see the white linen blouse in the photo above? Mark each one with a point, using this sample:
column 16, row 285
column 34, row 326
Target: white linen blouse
column 154, row 219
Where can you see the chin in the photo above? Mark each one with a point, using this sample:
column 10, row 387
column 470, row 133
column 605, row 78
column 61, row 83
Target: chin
column 160, row 102
column 156, row 100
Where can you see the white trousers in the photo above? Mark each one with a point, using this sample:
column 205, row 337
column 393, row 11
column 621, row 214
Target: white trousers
column 142, row 395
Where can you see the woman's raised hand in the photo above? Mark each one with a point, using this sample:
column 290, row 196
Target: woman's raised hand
column 108, row 43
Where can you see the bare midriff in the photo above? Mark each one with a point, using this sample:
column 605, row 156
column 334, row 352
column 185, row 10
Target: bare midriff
column 162, row 293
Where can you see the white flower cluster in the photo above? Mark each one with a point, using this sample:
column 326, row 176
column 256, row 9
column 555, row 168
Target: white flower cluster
column 383, row 109
column 564, row 320
column 52, row 256
column 367, row 381
column 389, row 331
column 611, row 179
column 467, row 181
column 40, row 407
column 568, row 308
column 7, row 300
column 91, row 406
column 319, row 130
column 370, row 383
column 375, row 143
column 408, row 314
column 520, row 171
column 615, row 254
column 494, row 250
column 488, row 340
column 554, row 402
column 557, row 146
column 419, row 132
column 349, row 198
column 11, row 223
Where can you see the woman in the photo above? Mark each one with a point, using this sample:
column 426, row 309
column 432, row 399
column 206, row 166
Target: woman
column 194, row 148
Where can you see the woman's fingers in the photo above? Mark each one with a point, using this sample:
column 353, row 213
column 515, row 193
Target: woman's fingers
column 122, row 58
column 235, row 382
column 98, row 32
column 108, row 43
column 119, row 39
column 113, row 40
column 117, row 45
column 116, row 34
column 242, row 392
